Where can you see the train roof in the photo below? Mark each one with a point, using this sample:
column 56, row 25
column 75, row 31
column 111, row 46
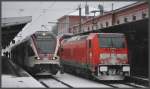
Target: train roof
column 91, row 35
column 41, row 32
column 111, row 34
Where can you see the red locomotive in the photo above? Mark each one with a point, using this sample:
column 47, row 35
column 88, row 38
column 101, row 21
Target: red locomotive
column 102, row 55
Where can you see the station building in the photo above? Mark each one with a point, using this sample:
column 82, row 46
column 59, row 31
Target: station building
column 130, row 13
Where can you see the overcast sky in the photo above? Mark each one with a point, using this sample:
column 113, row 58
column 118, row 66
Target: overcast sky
column 44, row 11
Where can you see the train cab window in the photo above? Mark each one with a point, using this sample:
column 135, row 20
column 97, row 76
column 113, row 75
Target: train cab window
column 134, row 17
column 143, row 15
column 46, row 44
column 112, row 42
column 125, row 19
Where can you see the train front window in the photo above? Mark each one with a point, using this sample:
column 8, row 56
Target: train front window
column 46, row 45
column 112, row 42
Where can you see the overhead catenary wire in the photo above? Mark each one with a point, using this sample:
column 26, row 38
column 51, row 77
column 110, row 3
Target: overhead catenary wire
column 37, row 18
column 30, row 25
column 45, row 12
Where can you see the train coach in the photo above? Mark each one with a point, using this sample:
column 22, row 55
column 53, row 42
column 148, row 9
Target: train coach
column 37, row 53
column 101, row 55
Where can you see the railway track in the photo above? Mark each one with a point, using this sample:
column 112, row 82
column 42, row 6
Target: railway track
column 50, row 81
column 139, row 81
column 124, row 85
column 54, row 82
column 130, row 82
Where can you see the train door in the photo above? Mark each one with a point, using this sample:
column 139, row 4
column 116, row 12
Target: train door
column 89, row 53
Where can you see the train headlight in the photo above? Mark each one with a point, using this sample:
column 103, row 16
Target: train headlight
column 104, row 56
column 126, row 68
column 37, row 58
column 103, row 68
column 122, row 56
column 90, row 54
column 55, row 58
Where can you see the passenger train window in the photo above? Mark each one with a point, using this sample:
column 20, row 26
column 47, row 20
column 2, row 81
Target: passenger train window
column 125, row 19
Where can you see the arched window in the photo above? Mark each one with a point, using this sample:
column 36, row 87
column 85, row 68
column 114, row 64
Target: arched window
column 107, row 24
column 133, row 17
column 125, row 19
column 88, row 29
column 118, row 22
column 92, row 27
column 101, row 25
column 143, row 15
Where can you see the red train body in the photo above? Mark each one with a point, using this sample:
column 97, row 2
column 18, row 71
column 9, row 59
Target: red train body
column 102, row 55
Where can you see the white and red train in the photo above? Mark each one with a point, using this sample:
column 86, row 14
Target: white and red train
column 37, row 53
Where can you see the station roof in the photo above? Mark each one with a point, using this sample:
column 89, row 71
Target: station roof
column 11, row 26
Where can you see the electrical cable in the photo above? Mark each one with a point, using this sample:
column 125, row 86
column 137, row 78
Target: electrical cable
column 33, row 22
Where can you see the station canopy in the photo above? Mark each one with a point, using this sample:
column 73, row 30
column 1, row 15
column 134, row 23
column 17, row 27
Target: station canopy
column 11, row 26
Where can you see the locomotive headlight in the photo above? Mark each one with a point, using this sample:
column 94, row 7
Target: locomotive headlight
column 103, row 68
column 126, row 68
column 104, row 56
column 90, row 54
column 122, row 56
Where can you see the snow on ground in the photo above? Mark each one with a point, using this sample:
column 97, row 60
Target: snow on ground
column 53, row 83
column 78, row 82
column 138, row 85
column 121, row 86
column 9, row 81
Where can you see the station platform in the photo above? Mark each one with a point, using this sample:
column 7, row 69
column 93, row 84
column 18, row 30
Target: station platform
column 15, row 77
